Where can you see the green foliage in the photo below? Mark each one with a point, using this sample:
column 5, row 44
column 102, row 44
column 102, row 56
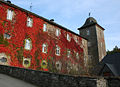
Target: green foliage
column 20, row 55
column 3, row 41
column 115, row 50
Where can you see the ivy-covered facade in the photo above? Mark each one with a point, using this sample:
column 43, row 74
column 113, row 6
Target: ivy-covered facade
column 30, row 41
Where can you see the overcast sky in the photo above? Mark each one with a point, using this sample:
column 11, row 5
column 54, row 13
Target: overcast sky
column 73, row 13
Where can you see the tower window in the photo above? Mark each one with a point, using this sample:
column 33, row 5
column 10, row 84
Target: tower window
column 44, row 27
column 28, row 44
column 89, row 44
column 29, row 22
column 9, row 14
column 57, row 50
column 88, row 32
column 44, row 48
column 57, row 32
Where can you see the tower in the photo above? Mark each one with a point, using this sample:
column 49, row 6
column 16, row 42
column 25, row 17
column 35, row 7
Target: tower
column 96, row 43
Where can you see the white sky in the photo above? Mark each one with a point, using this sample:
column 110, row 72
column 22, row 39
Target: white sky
column 73, row 13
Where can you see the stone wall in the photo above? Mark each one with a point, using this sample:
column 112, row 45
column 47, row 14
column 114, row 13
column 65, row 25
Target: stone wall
column 45, row 79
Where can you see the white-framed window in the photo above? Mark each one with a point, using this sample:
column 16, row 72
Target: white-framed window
column 57, row 52
column 44, row 27
column 68, row 53
column 88, row 32
column 58, row 32
column 7, row 36
column 76, row 39
column 28, row 44
column 9, row 14
column 68, row 37
column 77, row 55
column 44, row 48
column 29, row 22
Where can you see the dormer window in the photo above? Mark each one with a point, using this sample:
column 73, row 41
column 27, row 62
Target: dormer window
column 7, row 36
column 44, row 27
column 9, row 14
column 88, row 32
column 29, row 22
column 57, row 32
column 28, row 44
column 68, row 37
column 57, row 50
column 44, row 48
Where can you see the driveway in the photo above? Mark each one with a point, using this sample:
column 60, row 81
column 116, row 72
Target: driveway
column 7, row 81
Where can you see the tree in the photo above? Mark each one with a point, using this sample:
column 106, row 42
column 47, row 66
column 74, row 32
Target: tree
column 115, row 50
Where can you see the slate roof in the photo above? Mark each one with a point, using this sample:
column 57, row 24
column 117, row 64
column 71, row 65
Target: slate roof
column 89, row 22
column 112, row 61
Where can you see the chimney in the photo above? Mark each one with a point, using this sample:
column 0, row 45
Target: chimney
column 52, row 20
column 9, row 1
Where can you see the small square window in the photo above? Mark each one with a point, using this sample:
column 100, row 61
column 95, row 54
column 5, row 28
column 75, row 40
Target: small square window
column 29, row 22
column 7, row 36
column 44, row 27
column 9, row 14
column 68, row 37
column 57, row 32
column 28, row 44
column 44, row 48
column 57, row 50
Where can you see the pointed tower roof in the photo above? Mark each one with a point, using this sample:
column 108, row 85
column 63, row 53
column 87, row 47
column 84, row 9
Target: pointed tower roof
column 89, row 22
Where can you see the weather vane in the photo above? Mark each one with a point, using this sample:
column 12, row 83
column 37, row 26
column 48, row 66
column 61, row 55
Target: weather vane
column 31, row 7
column 89, row 14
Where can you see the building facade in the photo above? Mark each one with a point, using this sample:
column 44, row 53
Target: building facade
column 31, row 41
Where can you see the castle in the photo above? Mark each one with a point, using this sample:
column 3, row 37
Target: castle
column 28, row 40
